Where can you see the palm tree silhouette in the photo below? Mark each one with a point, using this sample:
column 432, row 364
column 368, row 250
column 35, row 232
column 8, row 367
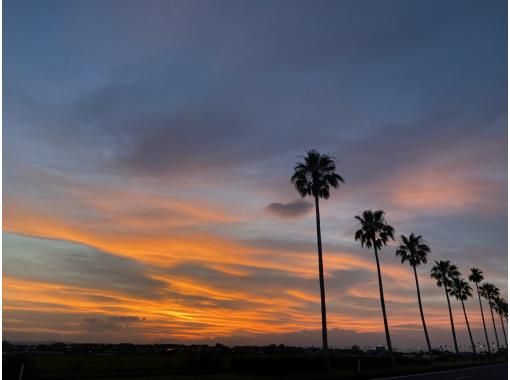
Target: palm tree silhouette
column 462, row 291
column 490, row 292
column 414, row 250
column 501, row 308
column 314, row 177
column 476, row 277
column 376, row 233
column 444, row 273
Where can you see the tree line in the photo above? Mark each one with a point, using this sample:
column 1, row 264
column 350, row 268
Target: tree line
column 315, row 175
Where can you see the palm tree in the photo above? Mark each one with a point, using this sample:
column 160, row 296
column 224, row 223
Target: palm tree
column 501, row 308
column 504, row 305
column 462, row 291
column 376, row 233
column 476, row 277
column 444, row 273
column 314, row 177
column 490, row 292
column 414, row 250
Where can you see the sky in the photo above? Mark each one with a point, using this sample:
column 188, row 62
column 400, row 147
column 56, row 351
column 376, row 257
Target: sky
column 148, row 149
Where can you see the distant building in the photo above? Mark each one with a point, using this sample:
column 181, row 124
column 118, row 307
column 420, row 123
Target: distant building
column 355, row 348
column 380, row 349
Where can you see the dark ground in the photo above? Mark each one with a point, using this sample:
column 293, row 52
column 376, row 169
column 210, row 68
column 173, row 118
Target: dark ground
column 63, row 361
column 486, row 372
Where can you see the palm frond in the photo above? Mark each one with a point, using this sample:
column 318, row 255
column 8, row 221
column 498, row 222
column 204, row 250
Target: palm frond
column 315, row 175
column 413, row 250
column 476, row 275
column 461, row 289
column 374, row 231
column 445, row 273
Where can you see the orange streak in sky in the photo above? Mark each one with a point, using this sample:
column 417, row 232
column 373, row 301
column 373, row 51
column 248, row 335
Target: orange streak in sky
column 218, row 310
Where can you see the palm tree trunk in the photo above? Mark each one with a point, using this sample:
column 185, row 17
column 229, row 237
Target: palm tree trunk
column 483, row 320
column 321, row 283
column 504, row 332
column 383, row 307
column 451, row 320
column 494, row 324
column 469, row 329
column 421, row 312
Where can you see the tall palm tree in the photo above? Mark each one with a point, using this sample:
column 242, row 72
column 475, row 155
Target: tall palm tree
column 501, row 308
column 462, row 291
column 444, row 273
column 490, row 292
column 476, row 277
column 414, row 250
column 314, row 176
column 375, row 233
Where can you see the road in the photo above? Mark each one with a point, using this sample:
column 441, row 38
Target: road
column 485, row 372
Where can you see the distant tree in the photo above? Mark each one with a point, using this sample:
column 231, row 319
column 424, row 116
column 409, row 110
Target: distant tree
column 476, row 277
column 501, row 308
column 444, row 272
column 375, row 233
column 414, row 250
column 462, row 291
column 314, row 177
column 491, row 292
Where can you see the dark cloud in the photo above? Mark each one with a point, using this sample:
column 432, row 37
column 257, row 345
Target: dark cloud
column 186, row 142
column 290, row 210
column 110, row 323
